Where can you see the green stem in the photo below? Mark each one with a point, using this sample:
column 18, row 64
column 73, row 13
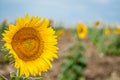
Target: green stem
column 2, row 77
column 18, row 72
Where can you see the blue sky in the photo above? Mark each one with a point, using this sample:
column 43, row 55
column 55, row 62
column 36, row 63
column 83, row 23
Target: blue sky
column 67, row 11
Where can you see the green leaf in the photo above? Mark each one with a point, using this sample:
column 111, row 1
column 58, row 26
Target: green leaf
column 2, row 77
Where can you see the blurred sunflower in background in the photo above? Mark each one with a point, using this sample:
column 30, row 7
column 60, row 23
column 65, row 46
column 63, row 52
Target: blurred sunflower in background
column 107, row 31
column 82, row 30
column 32, row 44
column 117, row 30
column 97, row 23
column 59, row 33
column 51, row 21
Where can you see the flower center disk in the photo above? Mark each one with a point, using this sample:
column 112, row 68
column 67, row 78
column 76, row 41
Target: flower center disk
column 27, row 44
column 81, row 30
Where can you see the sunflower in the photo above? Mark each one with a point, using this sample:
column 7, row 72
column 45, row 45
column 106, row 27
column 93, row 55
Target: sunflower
column 117, row 30
column 82, row 30
column 97, row 23
column 32, row 43
column 107, row 31
column 59, row 33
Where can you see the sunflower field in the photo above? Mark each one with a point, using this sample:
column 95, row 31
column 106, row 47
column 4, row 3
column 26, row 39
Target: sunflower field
column 33, row 48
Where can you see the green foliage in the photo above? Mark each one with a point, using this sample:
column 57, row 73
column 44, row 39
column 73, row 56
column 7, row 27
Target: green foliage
column 3, row 27
column 59, row 28
column 16, row 77
column 95, row 35
column 114, row 46
column 98, row 39
column 74, row 31
column 74, row 64
column 4, row 56
column 107, row 44
column 2, row 77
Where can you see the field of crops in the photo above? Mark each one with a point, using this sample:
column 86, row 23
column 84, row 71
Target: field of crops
column 86, row 52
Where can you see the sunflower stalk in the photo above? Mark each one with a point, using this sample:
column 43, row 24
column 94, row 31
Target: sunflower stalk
column 18, row 72
column 2, row 77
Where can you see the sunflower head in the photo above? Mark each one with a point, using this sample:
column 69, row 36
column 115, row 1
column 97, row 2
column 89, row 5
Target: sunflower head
column 82, row 30
column 32, row 44
column 97, row 23
column 107, row 31
column 117, row 30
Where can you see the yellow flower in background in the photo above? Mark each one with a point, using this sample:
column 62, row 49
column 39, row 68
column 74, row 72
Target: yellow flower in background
column 59, row 33
column 117, row 30
column 51, row 21
column 82, row 30
column 32, row 43
column 107, row 31
column 97, row 23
